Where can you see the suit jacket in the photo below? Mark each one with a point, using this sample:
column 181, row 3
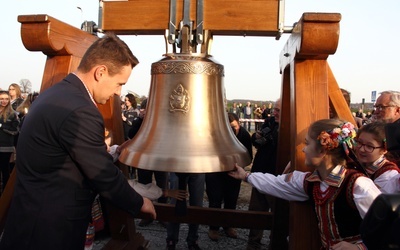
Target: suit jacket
column 62, row 164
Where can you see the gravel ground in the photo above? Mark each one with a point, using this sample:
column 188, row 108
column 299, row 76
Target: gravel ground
column 156, row 233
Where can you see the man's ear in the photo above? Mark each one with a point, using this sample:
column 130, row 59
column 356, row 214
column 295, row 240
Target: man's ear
column 99, row 72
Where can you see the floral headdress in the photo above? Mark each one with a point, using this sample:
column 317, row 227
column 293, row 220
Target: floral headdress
column 342, row 135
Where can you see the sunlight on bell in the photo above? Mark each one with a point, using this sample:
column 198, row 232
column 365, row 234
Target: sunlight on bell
column 186, row 128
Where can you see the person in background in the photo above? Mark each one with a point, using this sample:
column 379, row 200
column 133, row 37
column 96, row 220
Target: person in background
column 341, row 196
column 16, row 99
column 240, row 108
column 266, row 111
column 387, row 107
column 235, row 109
column 8, row 129
column 347, row 98
column 16, row 95
column 371, row 152
column 63, row 161
column 146, row 176
column 387, row 110
column 195, row 184
column 265, row 141
column 221, row 188
column 149, row 190
column 23, row 109
column 247, row 111
column 138, row 120
column 257, row 115
column 129, row 113
column 359, row 113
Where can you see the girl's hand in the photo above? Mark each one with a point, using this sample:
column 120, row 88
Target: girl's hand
column 238, row 173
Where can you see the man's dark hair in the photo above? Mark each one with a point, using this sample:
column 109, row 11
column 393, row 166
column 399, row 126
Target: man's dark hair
column 109, row 50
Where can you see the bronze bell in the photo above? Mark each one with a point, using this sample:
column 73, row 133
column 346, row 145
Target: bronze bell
column 186, row 128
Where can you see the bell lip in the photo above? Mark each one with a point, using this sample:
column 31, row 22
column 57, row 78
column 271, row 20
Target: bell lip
column 179, row 164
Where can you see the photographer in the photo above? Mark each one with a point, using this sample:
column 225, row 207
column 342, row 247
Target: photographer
column 265, row 141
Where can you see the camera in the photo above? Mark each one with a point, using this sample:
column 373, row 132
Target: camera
column 266, row 137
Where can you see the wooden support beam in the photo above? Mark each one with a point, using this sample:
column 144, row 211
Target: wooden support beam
column 303, row 62
column 214, row 217
column 337, row 100
column 63, row 44
column 227, row 17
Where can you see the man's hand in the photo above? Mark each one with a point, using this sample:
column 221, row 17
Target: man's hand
column 148, row 208
column 176, row 193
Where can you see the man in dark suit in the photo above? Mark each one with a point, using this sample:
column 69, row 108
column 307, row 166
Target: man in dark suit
column 62, row 159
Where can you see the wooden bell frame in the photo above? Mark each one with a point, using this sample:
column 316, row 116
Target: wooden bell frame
column 307, row 84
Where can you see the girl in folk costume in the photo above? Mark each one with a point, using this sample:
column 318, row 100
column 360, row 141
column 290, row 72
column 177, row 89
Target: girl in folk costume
column 8, row 129
column 340, row 195
column 372, row 153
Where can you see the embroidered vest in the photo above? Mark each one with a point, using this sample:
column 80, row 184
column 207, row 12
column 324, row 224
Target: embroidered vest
column 388, row 165
column 338, row 217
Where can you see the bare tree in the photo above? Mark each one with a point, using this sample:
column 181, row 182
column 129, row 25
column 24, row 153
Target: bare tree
column 26, row 86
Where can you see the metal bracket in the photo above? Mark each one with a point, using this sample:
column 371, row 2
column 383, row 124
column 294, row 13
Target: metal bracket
column 184, row 36
column 281, row 16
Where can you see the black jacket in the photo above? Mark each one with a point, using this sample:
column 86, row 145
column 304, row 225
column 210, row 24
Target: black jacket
column 265, row 158
column 62, row 164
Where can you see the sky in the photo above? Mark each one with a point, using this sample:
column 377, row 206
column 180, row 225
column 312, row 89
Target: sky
column 366, row 59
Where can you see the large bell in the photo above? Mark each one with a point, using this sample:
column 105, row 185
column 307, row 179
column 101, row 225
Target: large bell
column 186, row 128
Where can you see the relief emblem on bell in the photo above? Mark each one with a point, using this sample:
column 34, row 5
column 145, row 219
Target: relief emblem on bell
column 179, row 99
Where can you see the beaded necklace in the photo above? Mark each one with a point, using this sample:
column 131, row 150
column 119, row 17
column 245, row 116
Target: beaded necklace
column 320, row 197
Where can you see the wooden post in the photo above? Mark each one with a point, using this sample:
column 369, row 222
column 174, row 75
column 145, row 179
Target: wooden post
column 307, row 84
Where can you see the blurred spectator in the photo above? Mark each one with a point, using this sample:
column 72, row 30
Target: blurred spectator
column 8, row 129
column 23, row 109
column 346, row 95
column 223, row 189
column 266, row 142
column 15, row 94
column 235, row 109
column 129, row 113
column 247, row 112
column 257, row 115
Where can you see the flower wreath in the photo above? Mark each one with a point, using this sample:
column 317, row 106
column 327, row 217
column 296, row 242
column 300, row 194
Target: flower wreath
column 342, row 135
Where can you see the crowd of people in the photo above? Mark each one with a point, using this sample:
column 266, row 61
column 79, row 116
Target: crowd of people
column 251, row 113
column 63, row 163
column 14, row 106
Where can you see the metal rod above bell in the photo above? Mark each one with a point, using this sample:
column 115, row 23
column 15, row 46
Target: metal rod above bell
column 186, row 129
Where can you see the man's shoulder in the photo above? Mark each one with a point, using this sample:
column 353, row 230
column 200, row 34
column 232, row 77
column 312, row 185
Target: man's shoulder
column 68, row 91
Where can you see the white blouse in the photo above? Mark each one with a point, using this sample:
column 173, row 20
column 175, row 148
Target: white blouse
column 388, row 182
column 290, row 187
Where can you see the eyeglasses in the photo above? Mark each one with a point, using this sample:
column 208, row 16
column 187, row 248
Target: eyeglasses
column 382, row 107
column 367, row 148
